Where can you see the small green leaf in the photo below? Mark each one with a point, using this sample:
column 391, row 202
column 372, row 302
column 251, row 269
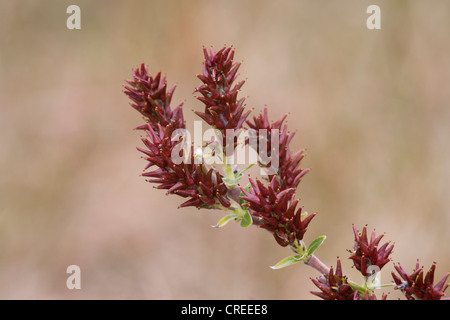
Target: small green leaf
column 315, row 244
column 355, row 287
column 225, row 220
column 240, row 172
column 246, row 219
column 288, row 261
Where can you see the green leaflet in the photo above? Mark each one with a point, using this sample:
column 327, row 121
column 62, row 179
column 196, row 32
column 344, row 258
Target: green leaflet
column 225, row 220
column 240, row 215
column 288, row 261
column 355, row 287
column 302, row 253
column 315, row 244
column 240, row 172
column 246, row 219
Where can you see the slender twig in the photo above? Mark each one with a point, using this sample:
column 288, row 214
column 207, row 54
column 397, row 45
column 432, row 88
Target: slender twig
column 317, row 264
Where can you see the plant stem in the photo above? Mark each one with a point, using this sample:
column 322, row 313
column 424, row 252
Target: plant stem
column 315, row 262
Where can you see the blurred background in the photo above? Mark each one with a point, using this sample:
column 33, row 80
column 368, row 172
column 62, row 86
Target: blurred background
column 370, row 106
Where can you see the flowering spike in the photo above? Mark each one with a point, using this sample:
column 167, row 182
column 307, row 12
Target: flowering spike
column 276, row 207
column 366, row 254
column 222, row 108
column 414, row 286
column 334, row 286
column 150, row 96
column 289, row 173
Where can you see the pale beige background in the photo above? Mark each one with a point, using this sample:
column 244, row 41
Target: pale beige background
column 371, row 107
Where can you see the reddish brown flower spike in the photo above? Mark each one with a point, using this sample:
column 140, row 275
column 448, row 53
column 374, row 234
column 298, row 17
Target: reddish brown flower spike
column 185, row 180
column 223, row 109
column 289, row 172
column 149, row 96
column 415, row 286
column 274, row 209
column 335, row 286
column 367, row 253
